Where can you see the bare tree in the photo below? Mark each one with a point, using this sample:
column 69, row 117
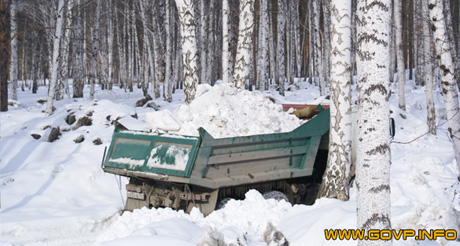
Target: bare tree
column 280, row 51
column 243, row 54
column 4, row 54
column 55, row 62
column 373, row 155
column 95, row 50
column 429, row 70
column 335, row 182
column 446, row 74
column 186, row 12
column 14, row 51
column 399, row 54
column 226, row 56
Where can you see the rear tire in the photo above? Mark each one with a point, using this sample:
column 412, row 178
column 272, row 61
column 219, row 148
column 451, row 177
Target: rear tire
column 221, row 203
column 277, row 195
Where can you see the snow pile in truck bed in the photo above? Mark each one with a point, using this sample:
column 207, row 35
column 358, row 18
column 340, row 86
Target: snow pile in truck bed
column 224, row 111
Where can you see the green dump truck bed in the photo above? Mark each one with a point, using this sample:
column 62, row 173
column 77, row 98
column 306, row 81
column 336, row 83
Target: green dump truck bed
column 182, row 172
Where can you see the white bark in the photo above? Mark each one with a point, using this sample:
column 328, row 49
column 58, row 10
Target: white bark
column 446, row 74
column 243, row 52
column 157, row 55
column 271, row 49
column 289, row 39
column 203, row 40
column 77, row 53
column 429, row 70
column 392, row 50
column 319, row 76
column 373, row 155
column 399, row 54
column 326, row 47
column 226, row 56
column 335, row 178
column 186, row 12
column 147, row 43
column 14, row 52
column 64, row 84
column 167, row 87
column 298, row 49
column 211, row 44
column 264, row 45
column 110, row 44
column 95, row 51
column 280, row 57
column 55, row 62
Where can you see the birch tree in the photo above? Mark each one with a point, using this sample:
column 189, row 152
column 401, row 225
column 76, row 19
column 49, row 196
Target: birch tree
column 77, row 52
column 264, row 45
column 4, row 54
column 55, row 62
column 226, row 56
column 280, row 57
column 95, row 50
column 399, row 54
column 167, row 87
column 243, row 53
column 318, row 63
column 373, row 155
column 186, row 13
column 446, row 74
column 335, row 182
column 429, row 70
column 14, row 51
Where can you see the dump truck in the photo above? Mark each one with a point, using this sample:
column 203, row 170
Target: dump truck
column 183, row 172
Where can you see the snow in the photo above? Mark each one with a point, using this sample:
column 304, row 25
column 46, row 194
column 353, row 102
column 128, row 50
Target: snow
column 179, row 154
column 224, row 111
column 56, row 193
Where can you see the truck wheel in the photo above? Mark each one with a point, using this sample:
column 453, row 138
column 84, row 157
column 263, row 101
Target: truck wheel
column 277, row 195
column 221, row 203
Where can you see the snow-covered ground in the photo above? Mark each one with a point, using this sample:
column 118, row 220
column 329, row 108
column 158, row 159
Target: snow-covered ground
column 56, row 193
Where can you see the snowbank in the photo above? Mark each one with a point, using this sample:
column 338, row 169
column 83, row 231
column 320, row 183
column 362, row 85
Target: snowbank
column 56, row 193
column 224, row 111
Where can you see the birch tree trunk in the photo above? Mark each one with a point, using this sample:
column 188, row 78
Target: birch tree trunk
column 446, row 74
column 326, row 41
column 271, row 49
column 280, row 57
column 211, row 33
column 288, row 44
column 110, row 44
column 63, row 87
column 451, row 38
column 147, row 45
column 226, row 56
column 35, row 59
column 55, row 62
column 429, row 70
column 317, row 47
column 399, row 54
column 95, row 50
column 335, row 182
column 77, row 52
column 243, row 53
column 157, row 55
column 373, row 155
column 186, row 12
column 167, row 87
column 264, row 43
column 298, row 49
column 392, row 48
column 14, row 51
column 203, row 40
